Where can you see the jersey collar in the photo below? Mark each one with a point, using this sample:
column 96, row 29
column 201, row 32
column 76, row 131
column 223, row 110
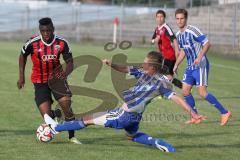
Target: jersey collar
column 160, row 27
column 48, row 44
column 184, row 29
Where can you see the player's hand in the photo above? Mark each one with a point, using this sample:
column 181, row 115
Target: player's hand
column 107, row 62
column 157, row 39
column 175, row 68
column 153, row 41
column 197, row 61
column 20, row 83
column 198, row 117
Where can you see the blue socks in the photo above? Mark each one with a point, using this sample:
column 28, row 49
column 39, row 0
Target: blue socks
column 148, row 140
column 71, row 125
column 144, row 139
column 213, row 100
column 210, row 98
column 191, row 102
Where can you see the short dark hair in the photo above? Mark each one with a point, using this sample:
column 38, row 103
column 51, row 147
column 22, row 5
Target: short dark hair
column 45, row 21
column 156, row 60
column 161, row 12
column 182, row 11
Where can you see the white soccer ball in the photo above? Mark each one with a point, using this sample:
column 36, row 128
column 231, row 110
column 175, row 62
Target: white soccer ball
column 44, row 133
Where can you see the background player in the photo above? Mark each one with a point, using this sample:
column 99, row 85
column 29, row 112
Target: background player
column 150, row 84
column 45, row 50
column 164, row 37
column 194, row 45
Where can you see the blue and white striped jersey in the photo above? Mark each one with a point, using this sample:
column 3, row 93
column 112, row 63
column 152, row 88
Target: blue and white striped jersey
column 146, row 88
column 191, row 41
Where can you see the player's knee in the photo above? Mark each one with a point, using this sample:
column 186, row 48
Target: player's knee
column 185, row 92
column 202, row 93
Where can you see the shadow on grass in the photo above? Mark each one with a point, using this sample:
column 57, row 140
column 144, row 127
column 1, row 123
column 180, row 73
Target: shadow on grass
column 105, row 143
column 7, row 132
column 190, row 135
column 230, row 97
column 121, row 140
column 209, row 146
column 218, row 122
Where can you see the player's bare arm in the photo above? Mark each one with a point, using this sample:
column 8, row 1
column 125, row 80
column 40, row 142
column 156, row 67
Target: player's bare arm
column 179, row 60
column 202, row 53
column 117, row 67
column 22, row 64
column 176, row 49
column 178, row 100
column 153, row 37
column 69, row 66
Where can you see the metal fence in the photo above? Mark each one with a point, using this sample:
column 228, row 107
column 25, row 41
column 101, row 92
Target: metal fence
column 23, row 16
column 95, row 22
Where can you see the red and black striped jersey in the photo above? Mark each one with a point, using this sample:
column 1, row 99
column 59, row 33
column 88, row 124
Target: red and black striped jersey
column 45, row 57
column 165, row 42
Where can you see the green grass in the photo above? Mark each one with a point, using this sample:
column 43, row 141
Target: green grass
column 19, row 116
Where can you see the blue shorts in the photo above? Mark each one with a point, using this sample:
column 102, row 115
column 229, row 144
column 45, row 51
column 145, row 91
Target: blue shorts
column 198, row 77
column 120, row 119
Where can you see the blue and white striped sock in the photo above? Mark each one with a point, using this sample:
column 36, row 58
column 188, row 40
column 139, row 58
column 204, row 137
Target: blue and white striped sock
column 71, row 125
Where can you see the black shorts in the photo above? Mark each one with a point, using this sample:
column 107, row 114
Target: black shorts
column 170, row 65
column 44, row 92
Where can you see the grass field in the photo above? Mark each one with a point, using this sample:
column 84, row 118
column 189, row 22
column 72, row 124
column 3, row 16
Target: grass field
column 19, row 116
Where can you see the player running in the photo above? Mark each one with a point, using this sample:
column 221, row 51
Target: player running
column 166, row 40
column 150, row 84
column 194, row 45
column 45, row 50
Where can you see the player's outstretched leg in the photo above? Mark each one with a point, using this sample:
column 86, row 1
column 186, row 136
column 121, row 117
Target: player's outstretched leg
column 158, row 143
column 70, row 125
column 48, row 120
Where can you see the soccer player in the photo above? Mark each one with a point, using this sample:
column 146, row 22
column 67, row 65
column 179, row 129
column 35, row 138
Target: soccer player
column 166, row 40
column 194, row 45
column 150, row 84
column 45, row 50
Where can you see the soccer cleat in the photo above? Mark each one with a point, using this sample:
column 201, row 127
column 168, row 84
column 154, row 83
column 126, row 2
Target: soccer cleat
column 74, row 140
column 58, row 112
column 225, row 117
column 164, row 146
column 59, row 115
column 177, row 83
column 48, row 120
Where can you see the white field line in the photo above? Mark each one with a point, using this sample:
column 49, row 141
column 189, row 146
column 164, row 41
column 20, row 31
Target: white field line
column 226, row 67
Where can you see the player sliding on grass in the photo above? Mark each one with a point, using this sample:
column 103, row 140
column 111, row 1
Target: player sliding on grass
column 194, row 45
column 150, row 84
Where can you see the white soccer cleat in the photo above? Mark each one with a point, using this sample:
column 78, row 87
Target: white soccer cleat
column 164, row 146
column 52, row 124
column 74, row 140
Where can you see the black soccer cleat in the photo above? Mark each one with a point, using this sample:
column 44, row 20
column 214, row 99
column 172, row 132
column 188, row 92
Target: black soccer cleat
column 58, row 113
column 177, row 83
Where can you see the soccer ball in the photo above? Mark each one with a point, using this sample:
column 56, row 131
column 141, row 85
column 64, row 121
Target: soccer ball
column 44, row 133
